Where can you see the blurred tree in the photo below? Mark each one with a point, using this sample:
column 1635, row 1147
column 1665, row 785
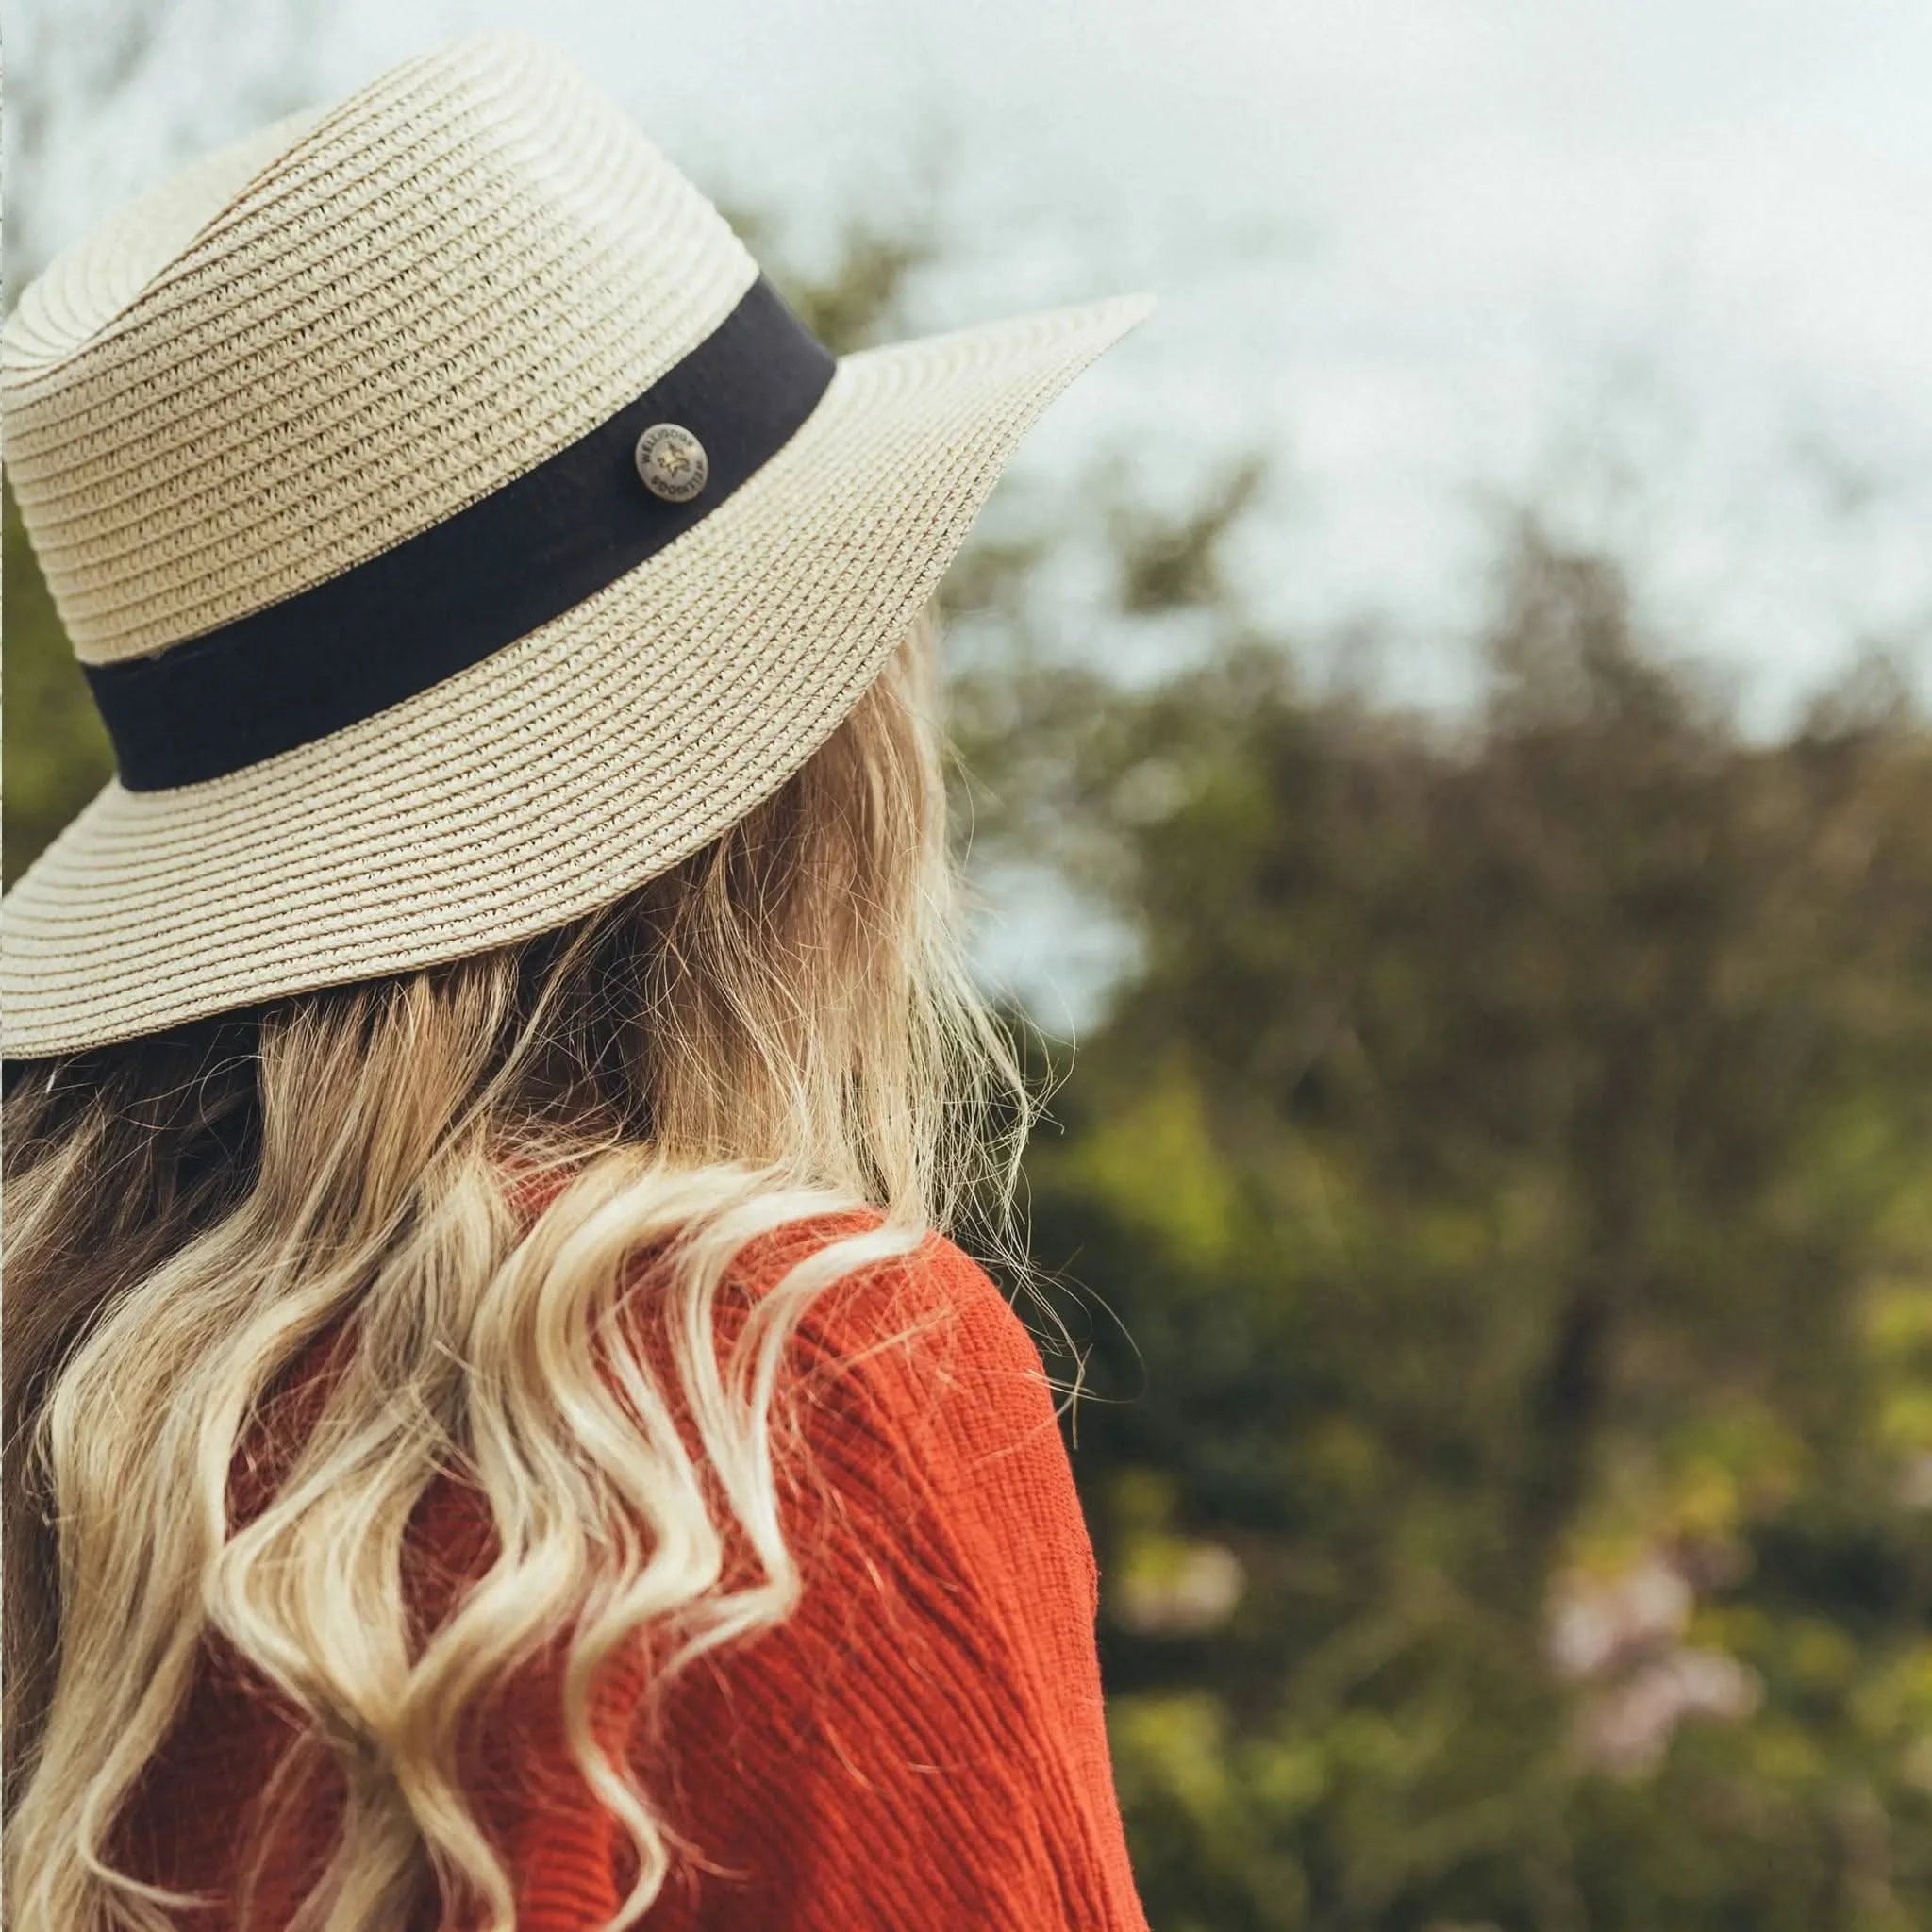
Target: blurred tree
column 1505, row 1165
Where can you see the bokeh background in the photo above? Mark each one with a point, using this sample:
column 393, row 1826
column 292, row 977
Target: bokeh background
column 1451, row 794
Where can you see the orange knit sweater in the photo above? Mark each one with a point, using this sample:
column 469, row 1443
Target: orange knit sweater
column 919, row 1747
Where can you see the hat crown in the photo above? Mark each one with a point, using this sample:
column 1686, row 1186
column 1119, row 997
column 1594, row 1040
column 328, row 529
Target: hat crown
column 313, row 345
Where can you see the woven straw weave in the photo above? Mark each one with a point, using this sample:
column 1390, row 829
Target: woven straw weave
column 364, row 325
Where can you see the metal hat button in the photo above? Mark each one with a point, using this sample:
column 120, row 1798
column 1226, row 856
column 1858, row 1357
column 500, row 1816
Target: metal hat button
column 671, row 461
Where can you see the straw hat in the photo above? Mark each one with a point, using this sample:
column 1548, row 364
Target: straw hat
column 456, row 531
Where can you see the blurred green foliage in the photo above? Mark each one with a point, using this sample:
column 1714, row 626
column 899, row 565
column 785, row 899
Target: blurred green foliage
column 1499, row 1189
column 1507, row 1171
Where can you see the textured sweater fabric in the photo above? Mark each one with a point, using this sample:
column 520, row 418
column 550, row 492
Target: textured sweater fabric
column 919, row 1746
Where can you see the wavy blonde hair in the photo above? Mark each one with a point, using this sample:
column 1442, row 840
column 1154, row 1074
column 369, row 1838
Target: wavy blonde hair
column 780, row 1028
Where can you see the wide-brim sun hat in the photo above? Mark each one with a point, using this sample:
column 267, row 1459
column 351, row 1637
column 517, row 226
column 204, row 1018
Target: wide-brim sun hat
column 456, row 531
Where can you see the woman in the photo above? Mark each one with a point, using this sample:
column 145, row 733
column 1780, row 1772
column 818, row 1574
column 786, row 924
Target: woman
column 497, row 1435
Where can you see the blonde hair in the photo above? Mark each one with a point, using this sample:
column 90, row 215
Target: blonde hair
column 778, row 1029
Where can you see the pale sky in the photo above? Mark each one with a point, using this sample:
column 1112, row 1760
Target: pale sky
column 1424, row 250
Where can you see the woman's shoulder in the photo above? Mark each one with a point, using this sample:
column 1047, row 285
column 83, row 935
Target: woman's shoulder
column 900, row 1346
column 926, row 1400
column 928, row 1720
column 915, row 1326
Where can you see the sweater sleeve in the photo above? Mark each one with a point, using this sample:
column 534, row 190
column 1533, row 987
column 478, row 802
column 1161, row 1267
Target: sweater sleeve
column 921, row 1747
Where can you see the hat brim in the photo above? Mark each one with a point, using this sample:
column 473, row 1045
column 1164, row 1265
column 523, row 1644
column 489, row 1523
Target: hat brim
column 572, row 765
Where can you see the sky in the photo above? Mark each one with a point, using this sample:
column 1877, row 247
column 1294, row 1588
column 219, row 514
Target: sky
column 1663, row 263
